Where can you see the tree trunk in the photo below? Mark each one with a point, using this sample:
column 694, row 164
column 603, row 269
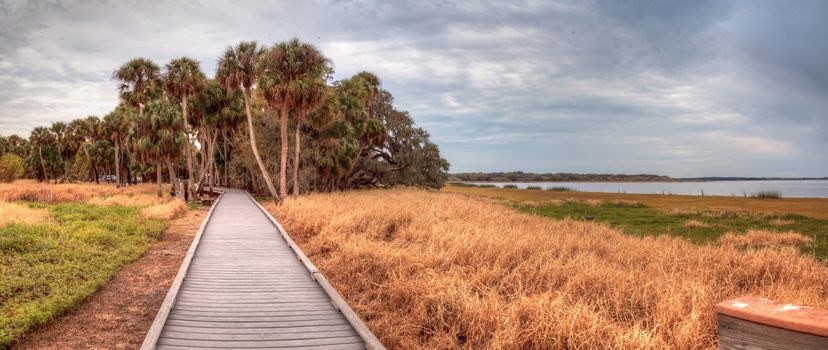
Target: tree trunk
column 202, row 168
column 224, row 156
column 42, row 165
column 283, row 121
column 91, row 166
column 171, row 170
column 211, row 147
column 95, row 171
column 187, row 148
column 296, row 151
column 117, row 163
column 158, row 180
column 256, row 149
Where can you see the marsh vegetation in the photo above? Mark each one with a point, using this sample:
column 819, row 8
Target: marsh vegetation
column 445, row 270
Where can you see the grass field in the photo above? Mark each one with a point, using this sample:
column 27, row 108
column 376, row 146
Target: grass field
column 698, row 226
column 60, row 243
column 699, row 220
column 442, row 270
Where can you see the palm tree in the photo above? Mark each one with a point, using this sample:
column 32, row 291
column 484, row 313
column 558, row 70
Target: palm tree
column 216, row 111
column 184, row 80
column 42, row 137
column 159, row 137
column 293, row 76
column 117, row 125
column 140, row 82
column 237, row 68
column 91, row 131
column 81, row 137
column 59, row 129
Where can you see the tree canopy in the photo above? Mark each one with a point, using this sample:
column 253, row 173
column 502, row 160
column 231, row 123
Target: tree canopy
column 233, row 130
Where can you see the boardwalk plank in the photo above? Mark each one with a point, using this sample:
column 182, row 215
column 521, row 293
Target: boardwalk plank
column 261, row 343
column 246, row 286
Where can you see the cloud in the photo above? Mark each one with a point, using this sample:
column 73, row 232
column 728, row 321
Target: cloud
column 684, row 88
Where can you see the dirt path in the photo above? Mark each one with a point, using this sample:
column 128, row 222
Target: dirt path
column 119, row 315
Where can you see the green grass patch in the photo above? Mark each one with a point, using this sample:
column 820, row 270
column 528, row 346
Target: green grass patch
column 559, row 189
column 46, row 269
column 534, row 188
column 641, row 220
column 510, row 186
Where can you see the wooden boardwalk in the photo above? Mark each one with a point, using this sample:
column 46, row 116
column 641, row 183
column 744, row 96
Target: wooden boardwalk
column 244, row 284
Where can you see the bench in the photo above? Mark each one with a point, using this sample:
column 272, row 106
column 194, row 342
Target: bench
column 758, row 323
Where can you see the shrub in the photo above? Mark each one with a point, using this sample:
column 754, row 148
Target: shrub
column 559, row 189
column 11, row 168
column 510, row 186
column 536, row 188
column 767, row 195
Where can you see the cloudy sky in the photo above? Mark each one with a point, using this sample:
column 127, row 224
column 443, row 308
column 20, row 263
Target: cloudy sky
column 681, row 88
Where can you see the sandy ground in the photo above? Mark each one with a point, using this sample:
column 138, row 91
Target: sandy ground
column 119, row 315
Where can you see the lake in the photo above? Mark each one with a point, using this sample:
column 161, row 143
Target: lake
column 788, row 188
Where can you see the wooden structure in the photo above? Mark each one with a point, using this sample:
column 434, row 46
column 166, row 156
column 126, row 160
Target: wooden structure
column 756, row 323
column 245, row 284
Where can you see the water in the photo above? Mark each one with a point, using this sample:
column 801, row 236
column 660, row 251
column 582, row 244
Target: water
column 788, row 188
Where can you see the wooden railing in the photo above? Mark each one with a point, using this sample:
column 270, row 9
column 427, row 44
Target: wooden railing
column 757, row 323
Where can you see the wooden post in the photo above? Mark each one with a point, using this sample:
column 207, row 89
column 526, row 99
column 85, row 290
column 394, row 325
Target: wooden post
column 757, row 323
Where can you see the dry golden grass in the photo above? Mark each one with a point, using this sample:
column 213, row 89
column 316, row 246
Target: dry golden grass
column 169, row 210
column 128, row 200
column 30, row 190
column 142, row 195
column 814, row 207
column 683, row 211
column 695, row 224
column 430, row 270
column 22, row 214
column 765, row 238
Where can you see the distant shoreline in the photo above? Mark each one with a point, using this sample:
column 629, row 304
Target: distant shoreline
column 519, row 176
column 644, row 181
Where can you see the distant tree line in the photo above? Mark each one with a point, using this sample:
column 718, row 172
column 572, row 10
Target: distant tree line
column 269, row 110
column 520, row 176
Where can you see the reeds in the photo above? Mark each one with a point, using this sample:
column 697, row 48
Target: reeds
column 430, row 270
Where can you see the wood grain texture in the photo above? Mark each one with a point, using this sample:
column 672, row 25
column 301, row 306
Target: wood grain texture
column 246, row 286
column 799, row 318
column 739, row 334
